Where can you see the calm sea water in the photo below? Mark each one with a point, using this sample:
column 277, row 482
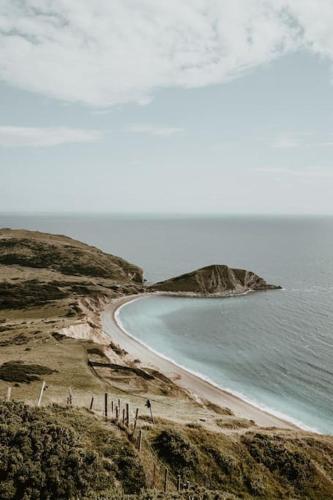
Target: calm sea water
column 274, row 348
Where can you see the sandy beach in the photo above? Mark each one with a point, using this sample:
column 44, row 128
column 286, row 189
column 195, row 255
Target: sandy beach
column 197, row 386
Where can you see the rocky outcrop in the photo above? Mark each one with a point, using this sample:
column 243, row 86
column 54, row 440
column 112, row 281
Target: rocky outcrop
column 215, row 280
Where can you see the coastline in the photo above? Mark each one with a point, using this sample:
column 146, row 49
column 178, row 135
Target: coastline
column 197, row 385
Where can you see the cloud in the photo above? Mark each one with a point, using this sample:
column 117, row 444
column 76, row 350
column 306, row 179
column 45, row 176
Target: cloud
column 156, row 130
column 106, row 52
column 43, row 137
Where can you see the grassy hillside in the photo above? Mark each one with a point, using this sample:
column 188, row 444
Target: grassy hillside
column 48, row 283
column 63, row 254
column 37, row 268
column 59, row 453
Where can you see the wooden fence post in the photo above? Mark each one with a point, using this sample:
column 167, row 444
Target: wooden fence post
column 117, row 413
column 112, row 407
column 140, row 440
column 9, row 393
column 165, row 480
column 41, row 393
column 106, row 405
column 70, row 397
column 123, row 416
column 149, row 405
column 127, row 414
column 135, row 419
column 178, row 482
column 154, row 476
column 91, row 403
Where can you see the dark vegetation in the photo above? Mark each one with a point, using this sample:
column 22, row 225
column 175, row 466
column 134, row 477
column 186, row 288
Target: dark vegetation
column 293, row 466
column 28, row 293
column 117, row 349
column 96, row 351
column 17, row 371
column 123, row 369
column 17, row 340
column 256, row 464
column 234, row 423
column 66, row 453
column 176, row 451
column 63, row 454
column 59, row 337
column 219, row 409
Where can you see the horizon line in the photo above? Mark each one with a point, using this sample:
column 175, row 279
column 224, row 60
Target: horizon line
column 161, row 214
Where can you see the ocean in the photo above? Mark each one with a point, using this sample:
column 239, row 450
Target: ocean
column 272, row 348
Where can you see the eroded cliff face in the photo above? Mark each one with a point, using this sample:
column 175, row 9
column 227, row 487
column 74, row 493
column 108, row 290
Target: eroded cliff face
column 217, row 280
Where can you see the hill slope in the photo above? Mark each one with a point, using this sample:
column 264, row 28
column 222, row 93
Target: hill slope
column 63, row 254
column 81, row 456
column 37, row 268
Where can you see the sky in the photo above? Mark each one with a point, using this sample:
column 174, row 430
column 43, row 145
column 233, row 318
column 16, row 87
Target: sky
column 160, row 106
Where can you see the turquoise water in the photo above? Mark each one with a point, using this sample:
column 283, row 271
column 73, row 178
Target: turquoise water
column 247, row 345
column 275, row 348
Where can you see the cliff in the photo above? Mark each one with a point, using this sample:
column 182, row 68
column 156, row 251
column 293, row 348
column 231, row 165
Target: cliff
column 214, row 280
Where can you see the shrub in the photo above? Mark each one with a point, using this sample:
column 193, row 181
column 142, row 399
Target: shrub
column 273, row 453
column 17, row 371
column 179, row 453
column 41, row 459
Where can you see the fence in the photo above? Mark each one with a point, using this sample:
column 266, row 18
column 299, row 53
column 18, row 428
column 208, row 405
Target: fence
column 118, row 413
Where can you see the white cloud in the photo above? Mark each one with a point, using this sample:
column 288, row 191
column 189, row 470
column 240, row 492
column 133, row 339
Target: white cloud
column 42, row 137
column 160, row 131
column 106, row 52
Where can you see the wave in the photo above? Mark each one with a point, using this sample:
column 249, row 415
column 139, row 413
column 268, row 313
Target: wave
column 207, row 379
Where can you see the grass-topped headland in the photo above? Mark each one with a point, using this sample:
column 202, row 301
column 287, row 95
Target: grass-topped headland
column 63, row 254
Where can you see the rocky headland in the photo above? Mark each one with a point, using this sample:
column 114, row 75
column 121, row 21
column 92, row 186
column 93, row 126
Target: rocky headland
column 214, row 280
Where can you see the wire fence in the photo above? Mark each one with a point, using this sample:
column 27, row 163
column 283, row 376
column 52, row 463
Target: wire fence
column 118, row 412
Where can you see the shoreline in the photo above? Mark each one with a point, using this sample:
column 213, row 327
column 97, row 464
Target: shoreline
column 196, row 384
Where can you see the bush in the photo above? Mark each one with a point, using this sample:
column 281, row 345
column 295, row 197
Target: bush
column 272, row 452
column 177, row 451
column 16, row 371
column 43, row 460
column 225, row 462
